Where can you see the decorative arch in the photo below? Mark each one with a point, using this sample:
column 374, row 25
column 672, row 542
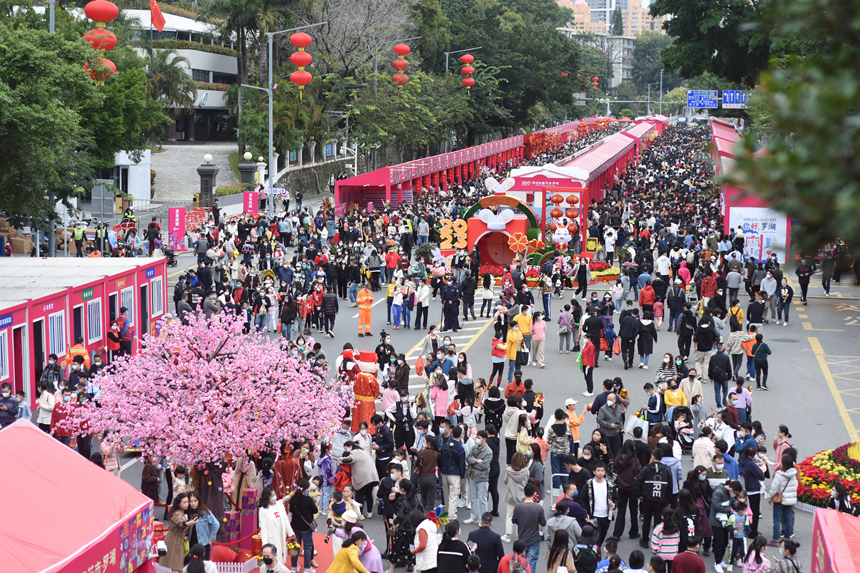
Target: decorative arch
column 502, row 200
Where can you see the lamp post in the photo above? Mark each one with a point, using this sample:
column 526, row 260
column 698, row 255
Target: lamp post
column 661, row 91
column 269, row 91
column 649, row 95
column 375, row 71
column 458, row 52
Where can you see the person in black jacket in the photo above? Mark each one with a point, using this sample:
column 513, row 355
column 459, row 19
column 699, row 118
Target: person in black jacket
column 686, row 329
column 383, row 444
column 495, row 445
column 468, row 286
column 627, row 332
column 488, row 544
column 720, row 371
column 705, row 338
column 676, row 296
column 654, row 485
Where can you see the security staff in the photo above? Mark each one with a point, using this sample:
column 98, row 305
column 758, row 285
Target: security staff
column 451, row 296
column 100, row 237
column 79, row 239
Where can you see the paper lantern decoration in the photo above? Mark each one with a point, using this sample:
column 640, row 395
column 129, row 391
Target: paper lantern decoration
column 572, row 213
column 101, row 39
column 401, row 49
column 573, row 228
column 572, row 200
column 467, row 59
column 467, row 70
column 400, row 79
column 301, row 59
column 552, row 227
column 101, row 75
column 556, row 199
column 101, row 12
column 468, row 82
column 401, row 64
column 555, row 213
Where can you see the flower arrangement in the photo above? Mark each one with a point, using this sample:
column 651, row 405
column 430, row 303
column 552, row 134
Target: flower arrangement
column 819, row 472
column 293, row 548
column 539, row 400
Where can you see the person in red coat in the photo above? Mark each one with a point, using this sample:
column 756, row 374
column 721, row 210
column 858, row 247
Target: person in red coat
column 589, row 361
column 366, row 389
column 60, row 413
column 287, row 472
column 647, row 298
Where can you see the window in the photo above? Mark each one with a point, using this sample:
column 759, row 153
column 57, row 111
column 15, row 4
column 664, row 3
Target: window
column 126, row 296
column 220, row 78
column 200, row 75
column 4, row 354
column 94, row 320
column 57, row 333
column 157, row 304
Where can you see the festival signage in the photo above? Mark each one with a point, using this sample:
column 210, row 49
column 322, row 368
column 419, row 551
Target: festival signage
column 250, row 202
column 176, row 229
column 765, row 231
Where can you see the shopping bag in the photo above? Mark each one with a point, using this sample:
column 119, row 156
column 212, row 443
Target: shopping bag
column 419, row 366
column 523, row 357
column 634, row 422
column 579, row 361
column 616, row 347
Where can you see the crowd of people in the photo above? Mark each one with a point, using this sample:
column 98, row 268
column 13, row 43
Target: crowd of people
column 421, row 458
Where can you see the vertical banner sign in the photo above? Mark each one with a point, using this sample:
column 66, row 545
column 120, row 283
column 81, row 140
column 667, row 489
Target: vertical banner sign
column 765, row 231
column 251, row 202
column 248, row 519
column 176, row 229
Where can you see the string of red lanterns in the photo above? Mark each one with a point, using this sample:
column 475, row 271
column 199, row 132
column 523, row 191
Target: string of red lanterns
column 301, row 59
column 594, row 81
column 467, row 70
column 401, row 64
column 101, row 12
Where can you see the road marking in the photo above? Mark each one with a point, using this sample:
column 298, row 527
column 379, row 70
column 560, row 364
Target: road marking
column 477, row 336
column 808, row 326
column 831, row 383
column 465, row 337
column 371, row 306
column 128, row 464
column 802, row 316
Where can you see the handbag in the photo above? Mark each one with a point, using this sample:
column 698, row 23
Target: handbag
column 312, row 525
column 522, row 357
column 616, row 347
column 777, row 497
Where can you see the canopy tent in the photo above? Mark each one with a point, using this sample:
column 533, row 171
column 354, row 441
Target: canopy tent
column 601, row 163
column 63, row 513
column 372, row 187
column 835, row 539
column 643, row 134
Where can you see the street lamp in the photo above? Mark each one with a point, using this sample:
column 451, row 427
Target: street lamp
column 269, row 91
column 649, row 94
column 458, row 52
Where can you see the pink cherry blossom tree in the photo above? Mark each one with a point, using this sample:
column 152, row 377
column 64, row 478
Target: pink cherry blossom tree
column 201, row 393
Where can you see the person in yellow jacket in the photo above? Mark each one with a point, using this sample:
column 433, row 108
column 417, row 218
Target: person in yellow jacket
column 346, row 560
column 515, row 343
column 365, row 310
column 77, row 350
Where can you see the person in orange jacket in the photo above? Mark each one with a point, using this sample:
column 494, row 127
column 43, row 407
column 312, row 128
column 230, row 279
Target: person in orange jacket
column 365, row 310
column 647, row 298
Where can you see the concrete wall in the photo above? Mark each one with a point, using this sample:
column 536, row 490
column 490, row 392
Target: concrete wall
column 313, row 179
column 209, row 61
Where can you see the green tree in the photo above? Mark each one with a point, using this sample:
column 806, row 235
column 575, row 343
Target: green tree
column 433, row 26
column 647, row 63
column 724, row 38
column 168, row 81
column 810, row 170
column 617, row 22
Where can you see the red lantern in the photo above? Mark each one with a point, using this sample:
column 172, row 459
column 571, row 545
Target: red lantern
column 572, row 199
column 301, row 78
column 467, row 70
column 401, row 64
column 101, row 75
column 467, row 58
column 301, row 59
column 573, row 228
column 101, row 11
column 100, row 39
column 555, row 213
column 401, row 50
column 572, row 213
column 301, row 40
column 557, row 199
column 553, row 227
column 400, row 79
column 468, row 82
column 595, row 79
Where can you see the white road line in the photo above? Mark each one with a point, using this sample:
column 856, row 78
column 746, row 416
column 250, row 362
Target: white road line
column 374, row 304
column 466, row 337
column 128, row 464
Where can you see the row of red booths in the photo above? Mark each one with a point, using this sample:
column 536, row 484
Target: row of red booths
column 400, row 183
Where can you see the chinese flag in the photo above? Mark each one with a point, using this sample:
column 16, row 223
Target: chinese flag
column 158, row 20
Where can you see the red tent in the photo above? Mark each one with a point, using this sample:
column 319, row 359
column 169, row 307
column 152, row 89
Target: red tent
column 61, row 512
column 834, row 542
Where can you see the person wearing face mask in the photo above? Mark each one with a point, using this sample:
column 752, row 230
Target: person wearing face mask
column 347, row 560
column 77, row 350
column 58, row 416
column 53, row 376
column 385, row 351
column 402, row 415
column 8, row 406
column 717, row 474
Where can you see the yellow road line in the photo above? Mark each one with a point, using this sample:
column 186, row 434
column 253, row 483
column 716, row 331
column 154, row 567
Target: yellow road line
column 808, row 326
column 477, row 336
column 831, row 383
column 802, row 316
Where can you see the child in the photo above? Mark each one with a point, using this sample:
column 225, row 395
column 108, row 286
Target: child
column 658, row 314
column 469, row 413
column 739, row 523
column 454, row 411
column 315, row 491
column 23, row 406
column 682, row 426
column 480, row 390
column 610, row 336
column 700, row 414
column 666, row 536
column 336, row 509
column 574, row 422
column 762, row 462
column 400, row 458
column 179, row 483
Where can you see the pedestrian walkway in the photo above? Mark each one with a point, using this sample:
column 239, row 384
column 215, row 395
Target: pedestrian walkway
column 176, row 169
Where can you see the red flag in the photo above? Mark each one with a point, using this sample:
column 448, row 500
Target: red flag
column 158, row 20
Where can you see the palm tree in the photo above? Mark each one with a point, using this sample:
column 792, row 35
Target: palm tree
column 169, row 81
column 267, row 20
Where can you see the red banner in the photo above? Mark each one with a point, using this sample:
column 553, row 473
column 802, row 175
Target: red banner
column 176, row 229
column 250, row 202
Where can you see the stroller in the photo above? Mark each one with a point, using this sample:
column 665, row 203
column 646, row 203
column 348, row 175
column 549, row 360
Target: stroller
column 684, row 439
column 171, row 256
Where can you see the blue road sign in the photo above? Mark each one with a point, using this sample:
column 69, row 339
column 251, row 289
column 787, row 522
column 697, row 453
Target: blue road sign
column 734, row 99
column 707, row 99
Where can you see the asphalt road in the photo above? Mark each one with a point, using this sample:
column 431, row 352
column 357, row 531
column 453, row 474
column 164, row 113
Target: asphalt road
column 814, row 380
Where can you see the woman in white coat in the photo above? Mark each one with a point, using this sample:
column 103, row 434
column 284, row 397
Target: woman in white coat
column 274, row 521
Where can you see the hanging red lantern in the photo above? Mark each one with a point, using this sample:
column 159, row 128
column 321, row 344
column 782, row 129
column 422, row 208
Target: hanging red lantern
column 468, row 82
column 555, row 213
column 572, row 199
column 467, row 58
column 101, row 75
column 301, row 59
column 573, row 228
column 101, row 39
column 401, row 50
column 467, row 70
column 552, row 227
column 572, row 213
column 400, row 64
column 301, row 40
column 557, row 199
column 400, row 79
column 595, row 79
column 101, row 11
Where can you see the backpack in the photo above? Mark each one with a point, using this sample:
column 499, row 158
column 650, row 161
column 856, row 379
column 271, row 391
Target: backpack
column 585, row 559
column 516, row 565
column 342, row 477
